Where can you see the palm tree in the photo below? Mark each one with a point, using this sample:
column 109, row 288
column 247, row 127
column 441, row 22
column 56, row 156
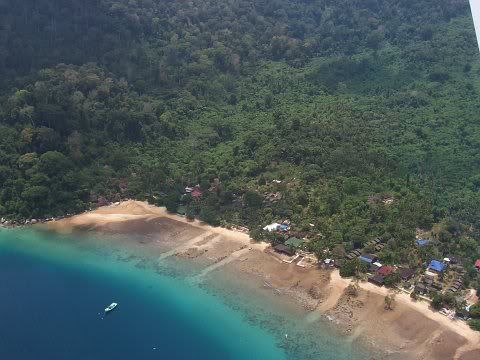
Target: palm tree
column 389, row 300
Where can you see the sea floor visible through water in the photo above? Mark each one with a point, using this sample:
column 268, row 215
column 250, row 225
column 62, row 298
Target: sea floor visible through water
column 53, row 289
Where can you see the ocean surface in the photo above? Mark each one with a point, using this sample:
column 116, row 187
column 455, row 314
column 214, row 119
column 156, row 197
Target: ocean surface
column 53, row 289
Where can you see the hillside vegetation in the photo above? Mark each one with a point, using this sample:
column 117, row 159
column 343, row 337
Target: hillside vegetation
column 345, row 103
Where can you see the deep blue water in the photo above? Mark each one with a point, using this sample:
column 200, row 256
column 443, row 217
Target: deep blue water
column 52, row 293
column 50, row 311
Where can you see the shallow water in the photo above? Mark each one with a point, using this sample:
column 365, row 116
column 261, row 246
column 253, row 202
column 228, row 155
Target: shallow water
column 53, row 289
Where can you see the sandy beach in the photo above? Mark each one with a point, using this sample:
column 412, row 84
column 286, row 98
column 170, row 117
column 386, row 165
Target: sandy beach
column 410, row 330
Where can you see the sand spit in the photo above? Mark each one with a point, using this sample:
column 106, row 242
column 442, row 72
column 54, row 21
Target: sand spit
column 410, row 330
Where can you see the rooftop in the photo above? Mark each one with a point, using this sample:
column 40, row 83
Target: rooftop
column 284, row 249
column 295, row 242
column 436, row 265
column 406, row 273
column 422, row 242
column 368, row 258
column 376, row 279
column 385, row 270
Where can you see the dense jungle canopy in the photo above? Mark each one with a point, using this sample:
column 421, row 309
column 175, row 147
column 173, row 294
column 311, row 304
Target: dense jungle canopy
column 346, row 104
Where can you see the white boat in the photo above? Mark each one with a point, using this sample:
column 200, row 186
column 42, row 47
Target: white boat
column 110, row 307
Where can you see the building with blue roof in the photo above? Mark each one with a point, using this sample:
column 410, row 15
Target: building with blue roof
column 436, row 266
column 368, row 258
column 422, row 242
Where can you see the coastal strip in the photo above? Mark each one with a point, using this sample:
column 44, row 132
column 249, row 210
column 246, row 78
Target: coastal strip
column 408, row 330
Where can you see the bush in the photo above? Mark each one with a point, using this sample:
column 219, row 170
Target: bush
column 475, row 311
column 392, row 279
column 190, row 213
column 349, row 268
column 437, row 301
column 209, row 215
column 253, row 200
column 171, row 203
column 474, row 324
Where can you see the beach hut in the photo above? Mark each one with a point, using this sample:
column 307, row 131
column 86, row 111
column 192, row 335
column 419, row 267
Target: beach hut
column 284, row 249
column 376, row 279
column 458, row 283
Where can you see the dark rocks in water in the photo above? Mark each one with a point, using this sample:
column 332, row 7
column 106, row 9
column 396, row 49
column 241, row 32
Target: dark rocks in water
column 315, row 292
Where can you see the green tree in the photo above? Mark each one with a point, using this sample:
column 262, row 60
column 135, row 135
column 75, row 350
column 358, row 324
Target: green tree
column 253, row 200
column 437, row 301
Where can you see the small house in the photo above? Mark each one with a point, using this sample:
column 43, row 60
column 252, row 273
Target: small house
column 437, row 286
column 406, row 274
column 368, row 258
column 379, row 247
column 436, row 266
column 386, row 270
column 284, row 249
column 420, row 289
column 375, row 267
column 376, row 279
column 453, row 259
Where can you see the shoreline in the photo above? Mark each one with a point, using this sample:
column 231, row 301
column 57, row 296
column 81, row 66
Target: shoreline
column 412, row 329
column 458, row 327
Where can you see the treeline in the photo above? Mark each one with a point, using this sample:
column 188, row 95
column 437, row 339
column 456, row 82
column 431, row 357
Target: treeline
column 175, row 43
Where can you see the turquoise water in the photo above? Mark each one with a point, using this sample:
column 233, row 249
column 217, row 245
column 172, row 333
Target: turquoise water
column 53, row 289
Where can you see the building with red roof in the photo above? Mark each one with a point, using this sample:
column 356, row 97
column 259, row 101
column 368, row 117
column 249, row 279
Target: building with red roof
column 385, row 270
column 477, row 264
column 196, row 192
